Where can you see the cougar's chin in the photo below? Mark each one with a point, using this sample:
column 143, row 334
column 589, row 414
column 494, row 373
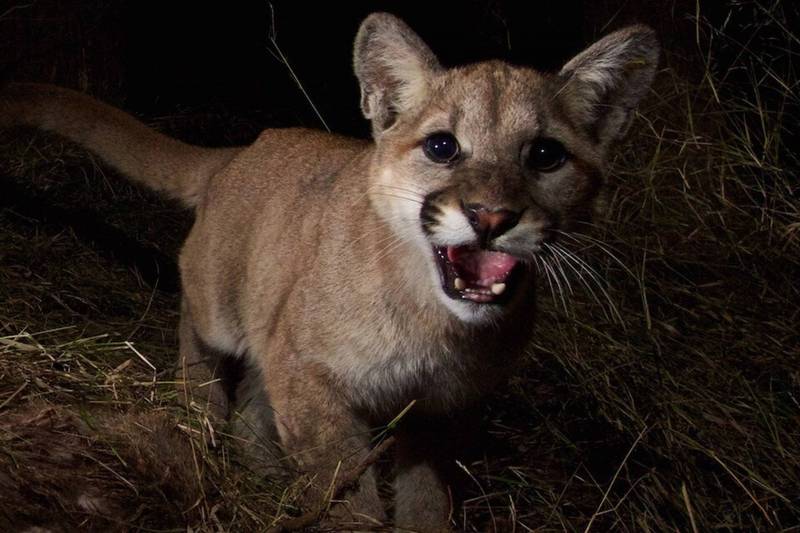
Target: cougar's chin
column 473, row 274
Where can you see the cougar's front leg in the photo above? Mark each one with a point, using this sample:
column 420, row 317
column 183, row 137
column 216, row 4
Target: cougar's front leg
column 422, row 495
column 201, row 376
column 327, row 440
column 428, row 482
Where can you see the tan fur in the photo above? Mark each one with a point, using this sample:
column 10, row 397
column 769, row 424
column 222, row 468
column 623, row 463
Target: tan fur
column 164, row 164
column 309, row 259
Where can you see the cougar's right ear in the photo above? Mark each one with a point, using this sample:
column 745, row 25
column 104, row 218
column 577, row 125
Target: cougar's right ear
column 394, row 68
column 603, row 84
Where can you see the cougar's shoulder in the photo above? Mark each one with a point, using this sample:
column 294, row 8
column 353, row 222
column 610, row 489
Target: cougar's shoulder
column 261, row 224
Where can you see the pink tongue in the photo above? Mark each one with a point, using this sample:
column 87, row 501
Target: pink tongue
column 480, row 265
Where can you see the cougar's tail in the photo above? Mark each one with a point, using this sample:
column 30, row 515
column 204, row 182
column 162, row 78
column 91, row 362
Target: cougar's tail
column 178, row 169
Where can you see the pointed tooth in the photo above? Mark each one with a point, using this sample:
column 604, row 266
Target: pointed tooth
column 460, row 284
column 498, row 288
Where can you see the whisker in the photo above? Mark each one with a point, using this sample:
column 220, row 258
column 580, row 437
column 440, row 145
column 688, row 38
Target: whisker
column 546, row 275
column 578, row 267
column 415, row 195
column 391, row 195
column 550, row 269
column 384, row 224
column 598, row 280
column 393, row 245
column 558, row 251
column 398, row 188
column 604, row 247
column 558, row 264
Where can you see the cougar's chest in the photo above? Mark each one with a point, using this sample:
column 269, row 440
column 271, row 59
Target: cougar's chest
column 439, row 375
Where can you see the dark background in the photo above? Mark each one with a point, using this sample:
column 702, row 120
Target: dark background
column 197, row 58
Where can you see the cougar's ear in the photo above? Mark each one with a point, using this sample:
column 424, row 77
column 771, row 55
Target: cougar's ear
column 603, row 84
column 394, row 68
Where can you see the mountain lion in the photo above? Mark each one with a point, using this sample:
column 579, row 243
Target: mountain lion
column 353, row 277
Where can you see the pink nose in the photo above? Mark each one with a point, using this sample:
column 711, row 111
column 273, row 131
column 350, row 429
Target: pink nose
column 490, row 223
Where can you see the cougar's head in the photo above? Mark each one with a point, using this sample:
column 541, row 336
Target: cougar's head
column 481, row 166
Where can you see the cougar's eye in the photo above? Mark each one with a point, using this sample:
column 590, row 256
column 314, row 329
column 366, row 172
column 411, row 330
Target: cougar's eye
column 546, row 155
column 441, row 147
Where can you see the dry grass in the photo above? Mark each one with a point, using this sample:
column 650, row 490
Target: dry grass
column 662, row 393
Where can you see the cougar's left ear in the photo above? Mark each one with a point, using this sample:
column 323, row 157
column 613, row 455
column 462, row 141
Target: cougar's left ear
column 394, row 68
column 603, row 84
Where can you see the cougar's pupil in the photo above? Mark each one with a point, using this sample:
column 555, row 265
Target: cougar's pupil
column 546, row 155
column 441, row 147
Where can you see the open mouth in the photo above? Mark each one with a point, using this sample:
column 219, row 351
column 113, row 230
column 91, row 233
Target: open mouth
column 475, row 274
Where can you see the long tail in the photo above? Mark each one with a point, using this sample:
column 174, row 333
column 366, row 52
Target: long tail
column 178, row 169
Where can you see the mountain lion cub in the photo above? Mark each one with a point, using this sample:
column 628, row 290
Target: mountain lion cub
column 355, row 277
